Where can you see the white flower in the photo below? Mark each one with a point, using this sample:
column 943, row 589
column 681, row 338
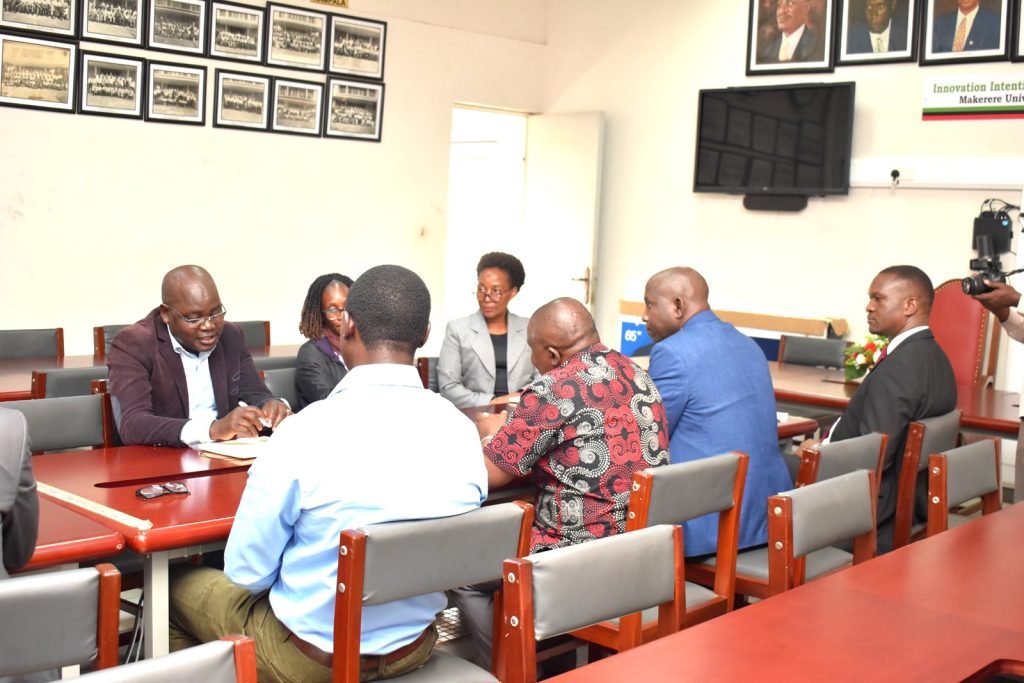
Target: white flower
column 860, row 360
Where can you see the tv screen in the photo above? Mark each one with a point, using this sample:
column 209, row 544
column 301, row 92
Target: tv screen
column 785, row 139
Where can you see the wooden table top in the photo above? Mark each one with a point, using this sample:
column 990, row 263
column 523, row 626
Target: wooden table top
column 68, row 537
column 936, row 610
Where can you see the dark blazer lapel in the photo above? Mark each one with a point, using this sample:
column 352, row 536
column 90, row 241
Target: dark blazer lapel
column 172, row 361
column 220, row 379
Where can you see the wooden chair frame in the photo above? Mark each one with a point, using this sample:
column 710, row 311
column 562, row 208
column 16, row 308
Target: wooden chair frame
column 245, row 657
column 59, row 334
column 810, row 461
column 266, row 333
column 784, row 570
column 987, row 334
column 39, row 382
column 109, row 429
column 906, row 486
column 518, row 623
column 938, row 500
column 348, row 606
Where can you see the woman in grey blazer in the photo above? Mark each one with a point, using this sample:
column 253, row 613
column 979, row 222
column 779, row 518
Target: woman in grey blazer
column 485, row 355
column 319, row 367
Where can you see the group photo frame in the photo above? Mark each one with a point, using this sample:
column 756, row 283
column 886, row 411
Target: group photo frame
column 357, row 47
column 1017, row 45
column 54, row 17
column 176, row 93
column 876, row 31
column 177, row 26
column 37, row 73
column 353, row 109
column 242, row 100
column 237, row 32
column 297, row 107
column 790, row 36
column 296, row 38
column 980, row 35
column 120, row 22
column 111, row 85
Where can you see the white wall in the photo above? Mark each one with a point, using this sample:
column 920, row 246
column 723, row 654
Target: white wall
column 643, row 64
column 94, row 210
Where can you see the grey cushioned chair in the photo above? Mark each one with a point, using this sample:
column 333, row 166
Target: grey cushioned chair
column 822, row 353
column 59, row 382
column 932, row 435
column 60, row 424
column 825, row 461
column 57, row 619
column 102, row 335
column 41, row 343
column 281, row 383
column 256, row 333
column 674, row 494
column 959, row 475
column 385, row 562
column 265, row 363
column 231, row 659
column 809, row 520
column 547, row 595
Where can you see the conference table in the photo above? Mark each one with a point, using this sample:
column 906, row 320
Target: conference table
column 67, row 538
column 936, row 610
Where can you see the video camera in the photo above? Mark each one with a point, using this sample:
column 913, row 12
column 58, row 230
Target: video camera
column 992, row 234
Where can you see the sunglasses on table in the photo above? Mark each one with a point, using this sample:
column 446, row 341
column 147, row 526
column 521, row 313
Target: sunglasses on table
column 157, row 490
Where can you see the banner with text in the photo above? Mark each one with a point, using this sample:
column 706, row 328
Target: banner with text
column 974, row 96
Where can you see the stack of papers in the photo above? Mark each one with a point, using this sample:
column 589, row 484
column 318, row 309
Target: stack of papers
column 238, row 449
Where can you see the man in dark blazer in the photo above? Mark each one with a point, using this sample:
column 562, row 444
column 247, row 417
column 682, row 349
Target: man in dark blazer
column 913, row 381
column 984, row 33
column 879, row 16
column 182, row 375
column 791, row 17
column 19, row 506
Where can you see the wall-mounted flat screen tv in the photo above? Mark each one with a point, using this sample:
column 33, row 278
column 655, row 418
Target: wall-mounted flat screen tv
column 781, row 139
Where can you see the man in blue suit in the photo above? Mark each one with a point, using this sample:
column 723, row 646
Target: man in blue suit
column 983, row 25
column 882, row 28
column 718, row 397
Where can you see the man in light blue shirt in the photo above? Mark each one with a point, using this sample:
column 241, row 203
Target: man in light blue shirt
column 337, row 465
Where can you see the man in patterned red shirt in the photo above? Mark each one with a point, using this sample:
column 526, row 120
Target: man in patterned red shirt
column 580, row 431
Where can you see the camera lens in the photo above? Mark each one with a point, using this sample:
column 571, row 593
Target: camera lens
column 974, row 285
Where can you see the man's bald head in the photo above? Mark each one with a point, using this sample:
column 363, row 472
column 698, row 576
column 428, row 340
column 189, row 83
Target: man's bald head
column 671, row 298
column 559, row 329
column 184, row 279
column 189, row 293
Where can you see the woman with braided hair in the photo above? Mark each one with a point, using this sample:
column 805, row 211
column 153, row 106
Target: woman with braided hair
column 319, row 367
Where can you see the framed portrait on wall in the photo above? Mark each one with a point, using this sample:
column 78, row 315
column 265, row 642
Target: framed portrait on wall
column 177, row 26
column 353, row 109
column 357, row 47
column 789, row 36
column 177, row 93
column 298, row 107
column 56, row 17
column 1017, row 48
column 965, row 31
column 36, row 73
column 243, row 101
column 236, row 31
column 297, row 37
column 876, row 31
column 111, row 85
column 113, row 21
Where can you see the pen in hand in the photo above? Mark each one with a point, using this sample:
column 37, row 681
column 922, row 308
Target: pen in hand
column 263, row 421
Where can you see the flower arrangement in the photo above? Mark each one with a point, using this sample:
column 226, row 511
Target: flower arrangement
column 860, row 359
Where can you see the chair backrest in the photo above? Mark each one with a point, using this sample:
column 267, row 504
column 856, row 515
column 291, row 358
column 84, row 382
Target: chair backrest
column 963, row 327
column 274, row 362
column 568, row 588
column 960, row 474
column 60, row 424
column 43, row 343
column 256, row 333
column 816, row 516
column 59, row 619
column 281, row 383
column 825, row 353
column 102, row 335
column 931, row 435
column 58, row 382
column 427, row 367
column 826, row 461
column 232, row 659
column 386, row 562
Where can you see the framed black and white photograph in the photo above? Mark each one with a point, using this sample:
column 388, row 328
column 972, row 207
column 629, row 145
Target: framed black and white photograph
column 177, row 93
column 37, row 73
column 242, row 101
column 789, row 36
column 877, row 31
column 111, row 85
column 965, row 31
column 298, row 107
column 1017, row 49
column 236, row 31
column 297, row 37
column 177, row 26
column 357, row 47
column 353, row 109
column 46, row 16
column 113, row 21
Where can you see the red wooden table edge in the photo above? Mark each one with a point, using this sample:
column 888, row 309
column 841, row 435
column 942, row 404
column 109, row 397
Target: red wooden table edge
column 81, row 550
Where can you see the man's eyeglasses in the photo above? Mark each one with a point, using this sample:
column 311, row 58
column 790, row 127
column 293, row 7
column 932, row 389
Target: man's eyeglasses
column 333, row 313
column 157, row 490
column 492, row 294
column 196, row 322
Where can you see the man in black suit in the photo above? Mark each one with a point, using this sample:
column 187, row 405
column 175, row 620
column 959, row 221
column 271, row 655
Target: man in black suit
column 913, row 381
column 796, row 41
column 882, row 28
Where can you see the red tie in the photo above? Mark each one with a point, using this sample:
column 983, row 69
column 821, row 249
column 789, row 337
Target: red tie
column 885, row 352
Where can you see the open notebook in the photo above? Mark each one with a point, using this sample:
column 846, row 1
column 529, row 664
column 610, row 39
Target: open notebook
column 237, row 449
